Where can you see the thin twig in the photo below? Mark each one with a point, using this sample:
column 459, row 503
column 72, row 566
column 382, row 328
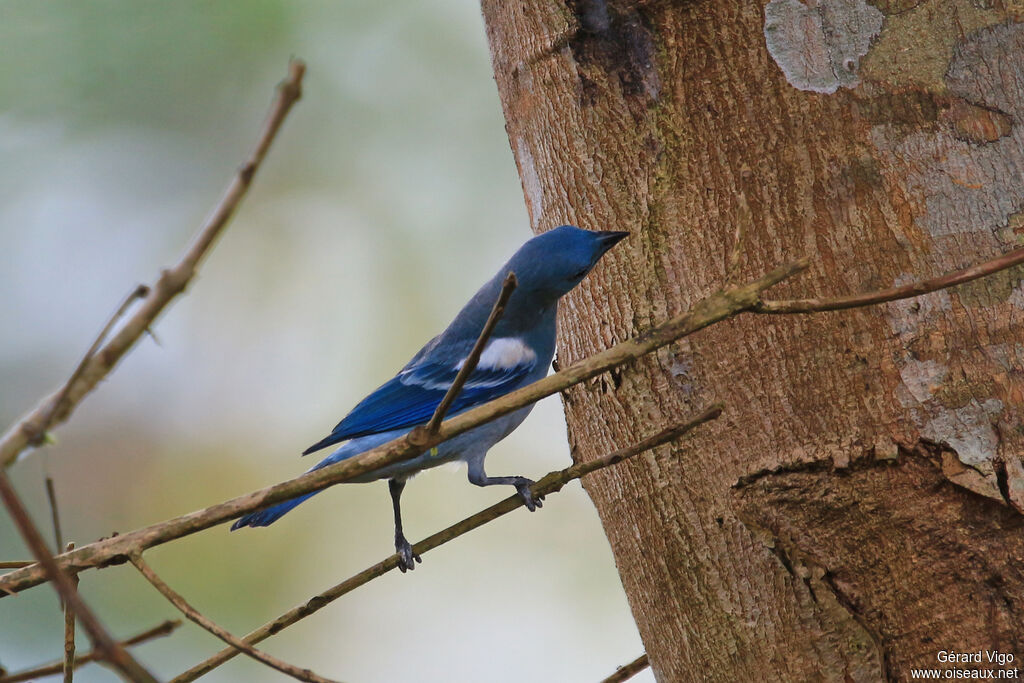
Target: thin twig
column 51, row 495
column 469, row 365
column 714, row 308
column 196, row 617
column 140, row 292
column 16, row 564
column 1008, row 260
column 626, row 672
column 58, row 540
column 109, row 649
column 55, row 668
column 549, row 484
column 57, row 407
column 69, row 634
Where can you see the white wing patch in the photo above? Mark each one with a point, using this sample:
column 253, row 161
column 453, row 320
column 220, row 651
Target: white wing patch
column 502, row 360
column 503, row 353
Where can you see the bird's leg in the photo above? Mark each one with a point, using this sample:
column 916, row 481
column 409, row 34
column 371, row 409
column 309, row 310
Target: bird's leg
column 406, row 557
column 479, row 477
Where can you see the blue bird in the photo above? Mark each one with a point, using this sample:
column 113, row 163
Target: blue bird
column 518, row 352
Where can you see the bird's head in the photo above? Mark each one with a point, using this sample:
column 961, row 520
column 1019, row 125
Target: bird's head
column 553, row 263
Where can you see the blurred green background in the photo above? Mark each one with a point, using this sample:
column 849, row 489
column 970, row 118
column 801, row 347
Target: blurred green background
column 389, row 197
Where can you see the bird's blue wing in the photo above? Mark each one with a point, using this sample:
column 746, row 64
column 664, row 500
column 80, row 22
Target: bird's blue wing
column 413, row 395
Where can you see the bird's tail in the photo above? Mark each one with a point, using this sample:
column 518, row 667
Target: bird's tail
column 268, row 516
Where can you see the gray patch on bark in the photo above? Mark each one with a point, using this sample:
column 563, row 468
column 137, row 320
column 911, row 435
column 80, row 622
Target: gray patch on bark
column 987, row 69
column 969, row 432
column 909, row 317
column 921, row 377
column 1017, row 296
column 966, row 186
column 819, row 47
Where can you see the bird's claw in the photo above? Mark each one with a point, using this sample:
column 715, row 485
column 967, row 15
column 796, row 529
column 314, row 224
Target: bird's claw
column 529, row 500
column 407, row 559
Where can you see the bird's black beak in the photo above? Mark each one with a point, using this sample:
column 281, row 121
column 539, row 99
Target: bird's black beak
column 610, row 238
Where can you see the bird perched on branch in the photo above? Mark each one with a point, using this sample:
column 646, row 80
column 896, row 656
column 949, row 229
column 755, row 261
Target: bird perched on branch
column 517, row 353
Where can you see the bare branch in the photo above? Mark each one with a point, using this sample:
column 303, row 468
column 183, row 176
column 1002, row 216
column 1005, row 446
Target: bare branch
column 422, row 434
column 624, row 673
column 58, row 540
column 54, row 668
column 549, row 484
column 1008, row 260
column 69, row 634
column 51, row 496
column 196, row 617
column 714, row 308
column 109, row 649
column 15, row 564
column 96, row 366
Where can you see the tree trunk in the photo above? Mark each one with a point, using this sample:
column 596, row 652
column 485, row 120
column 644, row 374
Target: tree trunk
column 857, row 509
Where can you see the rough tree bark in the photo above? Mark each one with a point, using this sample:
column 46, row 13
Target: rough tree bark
column 859, row 506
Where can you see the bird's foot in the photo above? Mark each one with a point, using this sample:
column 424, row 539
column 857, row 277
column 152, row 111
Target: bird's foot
column 407, row 559
column 529, row 500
